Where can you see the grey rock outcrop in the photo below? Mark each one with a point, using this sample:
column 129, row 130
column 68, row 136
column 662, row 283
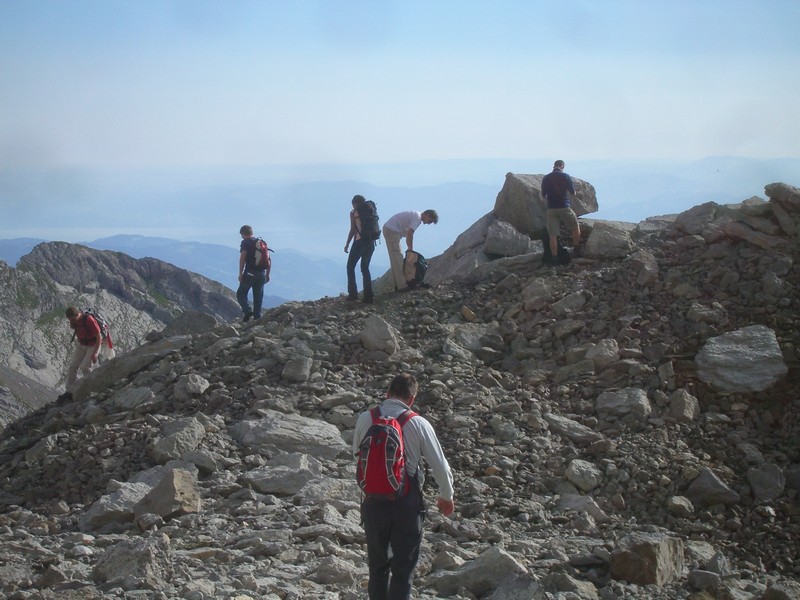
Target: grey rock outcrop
column 746, row 359
column 521, row 203
column 514, row 228
column 648, row 559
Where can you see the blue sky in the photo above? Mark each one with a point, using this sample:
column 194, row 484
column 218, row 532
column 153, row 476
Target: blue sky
column 195, row 83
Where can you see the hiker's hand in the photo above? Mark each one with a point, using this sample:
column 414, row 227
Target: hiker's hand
column 345, row 249
column 240, row 277
column 446, row 507
column 94, row 357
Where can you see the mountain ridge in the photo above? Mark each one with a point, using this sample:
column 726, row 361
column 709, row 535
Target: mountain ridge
column 136, row 296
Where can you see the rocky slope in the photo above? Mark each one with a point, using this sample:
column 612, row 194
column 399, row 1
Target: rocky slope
column 603, row 446
column 136, row 296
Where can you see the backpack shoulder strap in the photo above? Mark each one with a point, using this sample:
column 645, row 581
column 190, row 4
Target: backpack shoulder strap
column 359, row 220
column 405, row 417
column 376, row 414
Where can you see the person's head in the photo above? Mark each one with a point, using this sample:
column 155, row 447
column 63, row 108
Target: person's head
column 403, row 387
column 246, row 231
column 430, row 216
column 359, row 201
column 559, row 164
column 73, row 314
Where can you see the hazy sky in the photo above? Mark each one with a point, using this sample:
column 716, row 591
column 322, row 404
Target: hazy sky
column 198, row 83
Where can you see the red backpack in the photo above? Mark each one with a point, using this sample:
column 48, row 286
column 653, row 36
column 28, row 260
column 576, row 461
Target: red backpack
column 261, row 258
column 381, row 466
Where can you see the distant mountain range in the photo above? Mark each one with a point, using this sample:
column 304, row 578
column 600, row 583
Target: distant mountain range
column 294, row 276
column 303, row 210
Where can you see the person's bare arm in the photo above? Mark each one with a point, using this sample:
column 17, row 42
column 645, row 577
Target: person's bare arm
column 352, row 234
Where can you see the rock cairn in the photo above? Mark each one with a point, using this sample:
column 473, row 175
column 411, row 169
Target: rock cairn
column 627, row 426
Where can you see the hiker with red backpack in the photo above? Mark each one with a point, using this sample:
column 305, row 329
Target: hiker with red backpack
column 91, row 331
column 389, row 442
column 254, row 267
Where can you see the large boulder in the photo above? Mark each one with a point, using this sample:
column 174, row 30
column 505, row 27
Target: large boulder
column 748, row 359
column 521, row 204
column 514, row 228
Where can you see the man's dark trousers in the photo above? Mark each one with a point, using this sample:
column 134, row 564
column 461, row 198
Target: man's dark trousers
column 397, row 525
column 361, row 250
column 256, row 282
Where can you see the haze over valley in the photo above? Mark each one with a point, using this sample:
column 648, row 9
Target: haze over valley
column 191, row 218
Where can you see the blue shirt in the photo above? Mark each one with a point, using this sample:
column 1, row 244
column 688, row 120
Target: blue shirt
column 556, row 187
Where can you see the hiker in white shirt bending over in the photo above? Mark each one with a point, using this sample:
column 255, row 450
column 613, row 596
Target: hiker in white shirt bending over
column 403, row 225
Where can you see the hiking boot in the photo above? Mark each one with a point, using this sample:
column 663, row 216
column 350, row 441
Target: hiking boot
column 368, row 300
column 64, row 398
column 352, row 298
column 247, row 316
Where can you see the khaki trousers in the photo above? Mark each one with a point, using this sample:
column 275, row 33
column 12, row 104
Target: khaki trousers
column 392, row 239
column 81, row 359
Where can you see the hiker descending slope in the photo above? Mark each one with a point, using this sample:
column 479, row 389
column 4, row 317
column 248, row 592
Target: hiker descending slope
column 389, row 441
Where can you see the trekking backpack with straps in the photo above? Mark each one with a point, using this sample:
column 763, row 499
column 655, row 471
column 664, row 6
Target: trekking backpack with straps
column 101, row 322
column 414, row 268
column 261, row 258
column 381, row 465
column 370, row 222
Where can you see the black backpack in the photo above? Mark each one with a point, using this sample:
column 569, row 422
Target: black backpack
column 414, row 268
column 370, row 222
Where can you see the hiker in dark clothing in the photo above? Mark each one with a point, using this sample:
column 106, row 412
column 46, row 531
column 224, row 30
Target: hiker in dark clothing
column 394, row 527
column 250, row 276
column 556, row 188
column 362, row 250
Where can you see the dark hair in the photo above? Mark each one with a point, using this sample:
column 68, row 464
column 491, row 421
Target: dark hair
column 403, row 386
column 433, row 215
column 246, row 230
column 359, row 201
column 559, row 164
column 72, row 312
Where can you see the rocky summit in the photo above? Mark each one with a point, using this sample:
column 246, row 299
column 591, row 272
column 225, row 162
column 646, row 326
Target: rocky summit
column 624, row 426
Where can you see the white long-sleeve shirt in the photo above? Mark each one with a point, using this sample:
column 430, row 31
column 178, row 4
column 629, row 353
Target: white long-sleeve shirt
column 419, row 440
